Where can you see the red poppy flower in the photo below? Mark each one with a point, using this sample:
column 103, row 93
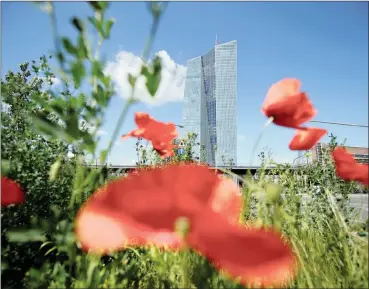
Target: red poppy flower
column 258, row 257
column 143, row 208
column 227, row 200
column 287, row 105
column 306, row 138
column 348, row 169
column 11, row 193
column 160, row 134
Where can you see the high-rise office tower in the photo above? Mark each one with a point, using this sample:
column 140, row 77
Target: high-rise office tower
column 210, row 103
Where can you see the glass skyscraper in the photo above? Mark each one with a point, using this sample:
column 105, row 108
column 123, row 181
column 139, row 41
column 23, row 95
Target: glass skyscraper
column 210, row 103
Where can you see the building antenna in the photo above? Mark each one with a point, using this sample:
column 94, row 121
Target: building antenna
column 216, row 39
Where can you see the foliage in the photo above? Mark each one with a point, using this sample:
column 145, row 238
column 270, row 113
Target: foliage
column 40, row 127
column 184, row 151
column 27, row 158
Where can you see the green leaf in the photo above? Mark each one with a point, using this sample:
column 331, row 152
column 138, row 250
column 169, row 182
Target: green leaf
column 98, row 25
column 88, row 143
column 72, row 125
column 5, row 167
column 45, row 244
column 103, row 155
column 99, row 96
column 56, row 210
column 54, row 169
column 35, row 69
column 78, row 72
column 40, row 100
column 273, row 192
column 105, row 79
column 81, row 100
column 51, row 250
column 58, row 106
column 108, row 26
column 24, row 236
column 69, row 46
column 153, row 76
column 97, row 69
column 99, row 5
column 52, row 129
column 60, row 57
column 78, row 24
column 131, row 79
column 4, row 266
column 82, row 48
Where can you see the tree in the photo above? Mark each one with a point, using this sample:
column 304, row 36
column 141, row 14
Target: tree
column 26, row 158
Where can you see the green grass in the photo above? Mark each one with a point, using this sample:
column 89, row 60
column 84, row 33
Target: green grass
column 330, row 255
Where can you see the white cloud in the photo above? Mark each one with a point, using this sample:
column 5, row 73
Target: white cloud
column 172, row 83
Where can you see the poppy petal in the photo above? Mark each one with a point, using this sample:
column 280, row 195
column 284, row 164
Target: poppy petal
column 282, row 88
column 306, row 138
column 227, row 200
column 142, row 119
column 101, row 230
column 160, row 134
column 287, row 105
column 347, row 168
column 145, row 206
column 341, row 156
column 258, row 257
column 11, row 193
column 364, row 174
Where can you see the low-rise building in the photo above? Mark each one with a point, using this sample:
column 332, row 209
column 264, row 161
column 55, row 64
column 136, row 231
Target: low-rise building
column 360, row 154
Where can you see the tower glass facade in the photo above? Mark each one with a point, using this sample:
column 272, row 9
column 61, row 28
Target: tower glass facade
column 210, row 103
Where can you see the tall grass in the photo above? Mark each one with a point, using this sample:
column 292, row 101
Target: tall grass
column 318, row 228
column 329, row 252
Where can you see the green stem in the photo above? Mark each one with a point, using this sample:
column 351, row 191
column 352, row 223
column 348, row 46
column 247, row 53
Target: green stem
column 248, row 173
column 97, row 53
column 185, row 271
column 145, row 55
column 269, row 121
column 301, row 262
column 100, row 40
column 150, row 40
column 120, row 121
column 55, row 32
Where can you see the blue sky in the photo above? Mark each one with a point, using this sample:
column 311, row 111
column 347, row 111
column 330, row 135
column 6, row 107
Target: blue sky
column 324, row 44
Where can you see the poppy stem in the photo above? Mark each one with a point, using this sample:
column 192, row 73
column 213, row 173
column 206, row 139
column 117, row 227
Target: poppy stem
column 145, row 55
column 185, row 271
column 269, row 121
column 181, row 227
column 248, row 174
